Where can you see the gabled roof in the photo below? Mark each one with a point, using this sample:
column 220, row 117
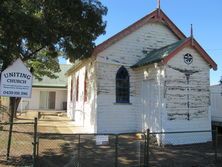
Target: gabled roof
column 157, row 55
column 166, row 53
column 60, row 82
column 156, row 16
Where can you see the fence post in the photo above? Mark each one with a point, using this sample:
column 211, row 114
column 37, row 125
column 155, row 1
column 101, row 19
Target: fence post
column 116, row 151
column 35, row 142
column 79, row 140
column 216, row 143
column 147, row 148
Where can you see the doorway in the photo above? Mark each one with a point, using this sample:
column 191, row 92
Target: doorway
column 149, row 102
column 47, row 100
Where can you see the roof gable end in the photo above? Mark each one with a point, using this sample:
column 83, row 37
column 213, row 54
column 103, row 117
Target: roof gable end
column 168, row 52
column 194, row 44
column 156, row 16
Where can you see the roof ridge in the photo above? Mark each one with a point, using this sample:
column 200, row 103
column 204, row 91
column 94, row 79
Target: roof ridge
column 136, row 25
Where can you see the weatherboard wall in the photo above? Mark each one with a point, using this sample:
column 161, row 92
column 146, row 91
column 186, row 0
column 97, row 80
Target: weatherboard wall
column 115, row 117
column 187, row 102
column 216, row 103
column 83, row 112
column 129, row 50
column 151, row 102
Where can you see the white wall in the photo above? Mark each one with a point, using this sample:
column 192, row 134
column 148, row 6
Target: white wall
column 216, row 103
column 33, row 102
column 83, row 112
column 176, row 88
column 152, row 97
column 128, row 51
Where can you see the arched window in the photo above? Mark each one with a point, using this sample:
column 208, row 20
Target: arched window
column 122, row 85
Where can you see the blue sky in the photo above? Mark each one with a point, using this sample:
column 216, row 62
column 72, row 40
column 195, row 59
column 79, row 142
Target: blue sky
column 205, row 15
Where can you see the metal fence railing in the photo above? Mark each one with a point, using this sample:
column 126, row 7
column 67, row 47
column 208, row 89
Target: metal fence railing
column 180, row 149
column 217, row 137
column 89, row 150
column 3, row 113
column 192, row 148
column 21, row 150
column 137, row 149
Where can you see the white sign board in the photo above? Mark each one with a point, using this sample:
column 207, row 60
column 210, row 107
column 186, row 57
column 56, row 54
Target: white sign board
column 102, row 139
column 16, row 81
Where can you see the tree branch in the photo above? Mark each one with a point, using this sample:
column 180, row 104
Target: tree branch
column 31, row 54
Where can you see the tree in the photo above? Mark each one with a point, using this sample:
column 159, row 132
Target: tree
column 38, row 31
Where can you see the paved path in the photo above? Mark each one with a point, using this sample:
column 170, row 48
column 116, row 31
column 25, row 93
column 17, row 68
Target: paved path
column 52, row 123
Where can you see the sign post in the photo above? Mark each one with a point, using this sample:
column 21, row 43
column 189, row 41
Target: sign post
column 16, row 82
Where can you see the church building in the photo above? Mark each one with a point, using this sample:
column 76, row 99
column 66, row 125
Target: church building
column 149, row 75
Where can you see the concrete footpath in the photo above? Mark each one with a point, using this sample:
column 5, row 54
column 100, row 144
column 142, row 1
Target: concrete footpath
column 51, row 122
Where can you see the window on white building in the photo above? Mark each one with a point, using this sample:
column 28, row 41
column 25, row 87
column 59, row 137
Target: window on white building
column 122, row 85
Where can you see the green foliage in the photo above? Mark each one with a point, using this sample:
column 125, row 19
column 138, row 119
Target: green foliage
column 43, row 65
column 38, row 30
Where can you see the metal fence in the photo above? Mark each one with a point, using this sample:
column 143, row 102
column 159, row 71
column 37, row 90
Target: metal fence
column 173, row 149
column 183, row 149
column 92, row 150
column 218, row 144
column 21, row 150
column 3, row 113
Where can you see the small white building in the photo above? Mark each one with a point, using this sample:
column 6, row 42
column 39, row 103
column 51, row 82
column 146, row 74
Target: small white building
column 149, row 75
column 216, row 104
column 47, row 94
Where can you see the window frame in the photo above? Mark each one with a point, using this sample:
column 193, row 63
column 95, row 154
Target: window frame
column 122, row 86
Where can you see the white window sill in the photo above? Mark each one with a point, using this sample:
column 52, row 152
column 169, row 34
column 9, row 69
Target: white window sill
column 122, row 103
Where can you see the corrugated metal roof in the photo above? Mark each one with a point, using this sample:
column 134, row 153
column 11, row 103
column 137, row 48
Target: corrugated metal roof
column 157, row 55
column 60, row 82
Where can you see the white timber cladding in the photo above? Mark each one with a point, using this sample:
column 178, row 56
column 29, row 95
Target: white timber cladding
column 70, row 112
column 151, row 104
column 216, row 103
column 129, row 50
column 81, row 111
column 113, row 117
column 187, row 100
column 170, row 97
